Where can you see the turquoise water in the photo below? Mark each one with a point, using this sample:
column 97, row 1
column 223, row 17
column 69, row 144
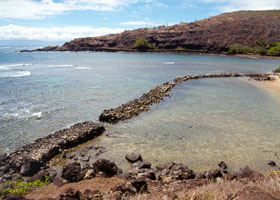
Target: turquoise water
column 42, row 92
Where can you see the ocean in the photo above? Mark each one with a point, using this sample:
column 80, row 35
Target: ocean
column 205, row 121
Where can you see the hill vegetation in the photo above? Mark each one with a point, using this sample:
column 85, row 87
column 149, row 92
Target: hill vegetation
column 249, row 32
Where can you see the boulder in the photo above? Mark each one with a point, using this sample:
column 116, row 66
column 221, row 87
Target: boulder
column 71, row 172
column 140, row 184
column 30, row 167
column 133, row 157
column 145, row 165
column 185, row 175
column 106, row 168
column 248, row 173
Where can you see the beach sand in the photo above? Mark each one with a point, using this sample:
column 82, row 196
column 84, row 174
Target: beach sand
column 275, row 85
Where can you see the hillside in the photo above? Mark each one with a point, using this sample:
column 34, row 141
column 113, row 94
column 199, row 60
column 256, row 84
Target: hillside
column 215, row 34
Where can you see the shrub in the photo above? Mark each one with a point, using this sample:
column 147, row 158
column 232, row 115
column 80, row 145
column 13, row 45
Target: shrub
column 179, row 48
column 142, row 44
column 20, row 187
column 274, row 51
column 239, row 49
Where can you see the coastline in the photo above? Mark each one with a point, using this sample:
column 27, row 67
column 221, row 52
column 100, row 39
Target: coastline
column 33, row 159
column 162, row 51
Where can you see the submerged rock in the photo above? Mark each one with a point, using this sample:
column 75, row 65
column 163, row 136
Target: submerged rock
column 133, row 157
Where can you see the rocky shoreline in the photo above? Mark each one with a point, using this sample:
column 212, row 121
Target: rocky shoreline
column 31, row 158
column 164, row 181
column 30, row 162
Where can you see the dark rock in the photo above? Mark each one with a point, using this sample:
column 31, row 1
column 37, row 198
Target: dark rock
column 92, row 194
column 70, row 194
column 106, row 167
column 30, row 167
column 271, row 164
column 133, row 157
column 213, row 174
column 71, row 172
column 145, row 165
column 185, row 175
column 150, row 175
column 140, row 184
column 222, row 165
column 4, row 169
column 4, row 158
column 248, row 173
column 124, row 187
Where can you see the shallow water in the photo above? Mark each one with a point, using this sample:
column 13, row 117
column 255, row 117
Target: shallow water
column 204, row 122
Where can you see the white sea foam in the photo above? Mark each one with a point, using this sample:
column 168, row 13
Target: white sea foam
column 6, row 67
column 19, row 74
column 59, row 66
column 22, row 114
column 82, row 68
column 169, row 63
column 37, row 115
column 15, row 74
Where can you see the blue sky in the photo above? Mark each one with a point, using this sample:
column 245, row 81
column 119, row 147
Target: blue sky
column 61, row 20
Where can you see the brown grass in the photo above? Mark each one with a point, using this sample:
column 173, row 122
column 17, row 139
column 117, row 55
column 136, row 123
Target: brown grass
column 220, row 190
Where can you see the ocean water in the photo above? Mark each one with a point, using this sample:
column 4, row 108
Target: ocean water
column 204, row 121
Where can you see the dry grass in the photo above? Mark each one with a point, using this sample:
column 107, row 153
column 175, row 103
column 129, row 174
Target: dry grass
column 219, row 190
column 222, row 190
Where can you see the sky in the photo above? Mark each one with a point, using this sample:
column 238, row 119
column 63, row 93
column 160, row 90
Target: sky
column 64, row 20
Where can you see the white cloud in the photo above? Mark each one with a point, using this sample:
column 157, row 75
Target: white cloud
column 12, row 32
column 233, row 5
column 139, row 23
column 34, row 9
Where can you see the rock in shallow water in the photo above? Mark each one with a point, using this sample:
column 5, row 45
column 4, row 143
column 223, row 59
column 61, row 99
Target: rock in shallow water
column 133, row 157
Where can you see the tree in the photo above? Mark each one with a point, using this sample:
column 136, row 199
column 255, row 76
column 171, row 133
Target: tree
column 142, row 44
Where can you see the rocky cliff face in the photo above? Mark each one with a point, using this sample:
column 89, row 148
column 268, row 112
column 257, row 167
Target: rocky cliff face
column 211, row 34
